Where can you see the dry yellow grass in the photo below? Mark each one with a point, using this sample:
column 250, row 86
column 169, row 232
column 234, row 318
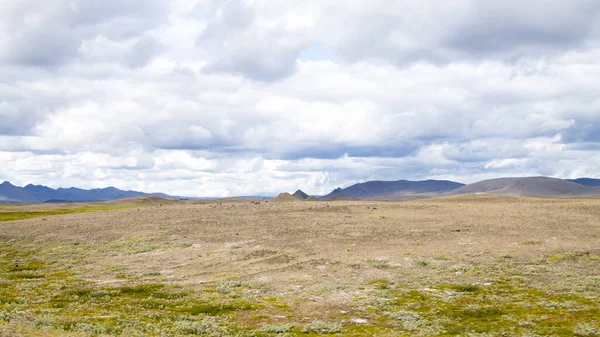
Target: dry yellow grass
column 469, row 265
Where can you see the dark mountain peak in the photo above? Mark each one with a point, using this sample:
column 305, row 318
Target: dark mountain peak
column 336, row 191
column 300, row 195
column 7, row 184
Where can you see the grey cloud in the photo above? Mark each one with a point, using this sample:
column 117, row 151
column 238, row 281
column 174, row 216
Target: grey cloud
column 91, row 12
column 592, row 147
column 18, row 119
column 534, row 27
column 117, row 19
column 11, row 120
column 180, row 135
column 583, row 131
column 335, row 151
column 143, row 52
column 41, row 47
column 59, row 27
column 477, row 151
column 236, row 42
column 443, row 32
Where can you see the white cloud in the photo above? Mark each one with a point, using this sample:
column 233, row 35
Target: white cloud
column 211, row 98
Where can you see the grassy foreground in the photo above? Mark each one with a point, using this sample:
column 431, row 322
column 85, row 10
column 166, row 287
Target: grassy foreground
column 466, row 266
column 43, row 292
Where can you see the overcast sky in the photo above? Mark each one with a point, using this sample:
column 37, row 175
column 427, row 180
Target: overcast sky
column 221, row 98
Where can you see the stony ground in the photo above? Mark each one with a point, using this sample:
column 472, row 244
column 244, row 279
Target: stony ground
column 459, row 266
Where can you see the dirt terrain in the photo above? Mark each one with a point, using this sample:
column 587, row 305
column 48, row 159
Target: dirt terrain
column 462, row 266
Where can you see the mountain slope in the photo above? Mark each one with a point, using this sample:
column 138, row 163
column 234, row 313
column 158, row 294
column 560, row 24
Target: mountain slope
column 38, row 193
column 529, row 186
column 391, row 189
column 586, row 181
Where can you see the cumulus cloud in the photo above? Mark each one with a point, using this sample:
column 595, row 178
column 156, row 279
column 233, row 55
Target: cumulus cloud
column 144, row 50
column 441, row 31
column 46, row 33
column 218, row 97
column 252, row 39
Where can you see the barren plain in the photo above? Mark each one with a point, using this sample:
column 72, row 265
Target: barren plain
column 472, row 265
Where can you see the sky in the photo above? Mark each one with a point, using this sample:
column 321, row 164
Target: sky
column 234, row 97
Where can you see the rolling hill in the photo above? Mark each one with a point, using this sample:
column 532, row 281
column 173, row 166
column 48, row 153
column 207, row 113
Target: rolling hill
column 38, row 193
column 529, row 186
column 395, row 189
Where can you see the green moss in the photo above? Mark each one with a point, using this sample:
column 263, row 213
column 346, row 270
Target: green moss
column 141, row 290
column 156, row 304
column 501, row 305
column 26, row 266
column 379, row 263
column 368, row 330
column 276, row 328
column 502, row 296
column 144, row 248
column 9, row 300
column 481, row 314
column 442, row 257
column 586, row 256
column 280, row 305
column 212, row 309
column 24, row 275
column 422, row 263
column 59, row 275
column 381, row 284
column 12, row 216
column 60, row 303
column 557, row 256
column 466, row 288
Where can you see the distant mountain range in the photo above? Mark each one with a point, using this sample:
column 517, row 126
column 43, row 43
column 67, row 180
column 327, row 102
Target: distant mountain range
column 38, row 193
column 527, row 186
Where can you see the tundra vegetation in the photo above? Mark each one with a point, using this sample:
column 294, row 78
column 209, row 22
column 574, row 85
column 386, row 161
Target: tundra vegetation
column 459, row 266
